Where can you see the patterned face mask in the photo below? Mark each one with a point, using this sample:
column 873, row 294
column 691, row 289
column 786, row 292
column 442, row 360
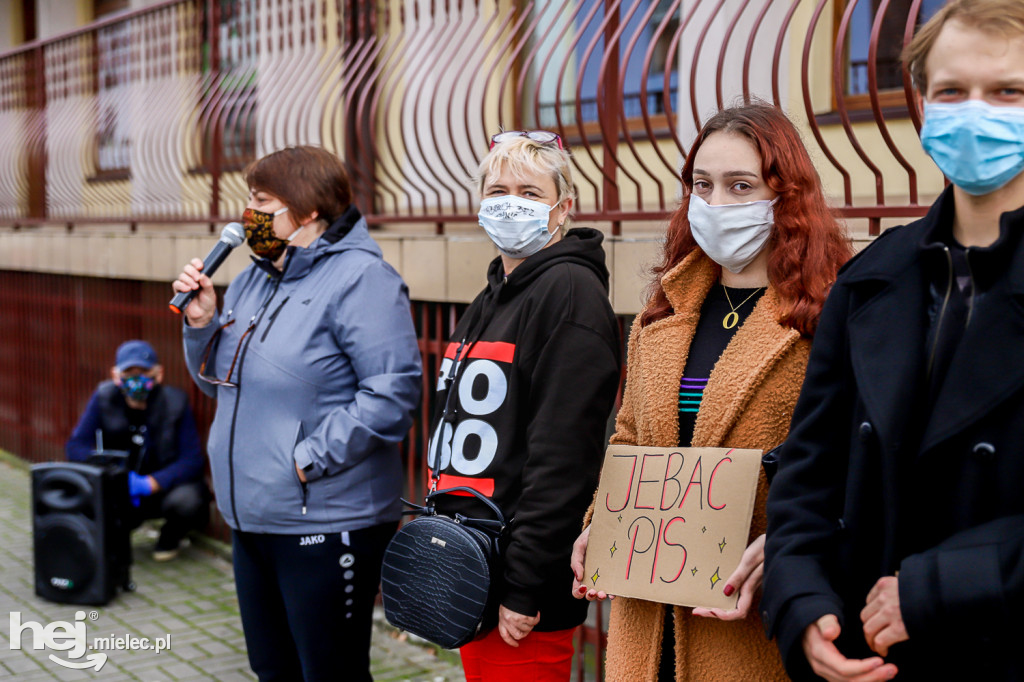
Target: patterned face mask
column 137, row 387
column 259, row 233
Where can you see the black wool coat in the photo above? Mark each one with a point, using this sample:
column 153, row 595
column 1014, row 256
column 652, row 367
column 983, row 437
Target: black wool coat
column 880, row 475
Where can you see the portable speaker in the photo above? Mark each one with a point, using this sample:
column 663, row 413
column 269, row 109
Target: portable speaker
column 80, row 541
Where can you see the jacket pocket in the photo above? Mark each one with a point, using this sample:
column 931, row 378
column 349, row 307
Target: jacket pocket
column 300, row 435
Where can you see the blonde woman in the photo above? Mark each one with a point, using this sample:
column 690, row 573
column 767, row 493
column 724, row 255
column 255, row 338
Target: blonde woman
column 523, row 398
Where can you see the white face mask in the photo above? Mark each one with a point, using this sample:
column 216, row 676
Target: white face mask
column 731, row 234
column 517, row 226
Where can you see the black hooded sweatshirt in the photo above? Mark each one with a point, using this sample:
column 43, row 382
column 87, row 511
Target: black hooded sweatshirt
column 538, row 369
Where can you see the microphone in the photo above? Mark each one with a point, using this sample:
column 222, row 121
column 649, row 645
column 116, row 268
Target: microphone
column 231, row 236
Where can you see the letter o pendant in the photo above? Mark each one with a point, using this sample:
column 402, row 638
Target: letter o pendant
column 730, row 320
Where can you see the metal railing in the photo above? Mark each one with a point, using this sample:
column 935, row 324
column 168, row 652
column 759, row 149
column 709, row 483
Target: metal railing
column 149, row 115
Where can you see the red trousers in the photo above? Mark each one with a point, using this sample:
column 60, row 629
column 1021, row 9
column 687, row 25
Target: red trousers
column 540, row 657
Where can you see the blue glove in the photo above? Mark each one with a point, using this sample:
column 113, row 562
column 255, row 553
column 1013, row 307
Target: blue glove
column 138, row 487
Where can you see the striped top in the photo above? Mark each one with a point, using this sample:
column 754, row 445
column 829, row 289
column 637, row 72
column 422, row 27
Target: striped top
column 709, row 342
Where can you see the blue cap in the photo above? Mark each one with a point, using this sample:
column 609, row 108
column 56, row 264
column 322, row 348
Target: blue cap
column 135, row 353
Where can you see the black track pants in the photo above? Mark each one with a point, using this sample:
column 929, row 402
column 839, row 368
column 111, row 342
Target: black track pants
column 307, row 602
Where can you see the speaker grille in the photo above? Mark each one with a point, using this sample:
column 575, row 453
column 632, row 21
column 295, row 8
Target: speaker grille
column 67, row 554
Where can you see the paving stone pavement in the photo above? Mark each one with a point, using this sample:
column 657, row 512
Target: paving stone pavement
column 188, row 604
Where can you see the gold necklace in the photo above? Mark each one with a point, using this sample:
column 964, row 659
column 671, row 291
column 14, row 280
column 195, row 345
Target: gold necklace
column 731, row 319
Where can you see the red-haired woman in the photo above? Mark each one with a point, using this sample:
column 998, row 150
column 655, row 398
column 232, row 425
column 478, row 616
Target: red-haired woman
column 717, row 359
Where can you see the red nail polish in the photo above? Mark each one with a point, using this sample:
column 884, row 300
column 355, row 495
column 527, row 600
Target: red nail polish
column 729, row 589
column 582, row 589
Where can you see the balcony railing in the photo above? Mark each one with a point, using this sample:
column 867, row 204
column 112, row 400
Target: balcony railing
column 149, row 115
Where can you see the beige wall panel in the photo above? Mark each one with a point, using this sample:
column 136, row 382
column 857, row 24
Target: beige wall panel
column 58, row 16
column 136, row 264
column 23, row 243
column 96, row 257
column 424, row 264
column 632, row 260
column 467, row 267
column 76, row 253
column 6, row 246
column 43, row 258
column 163, row 260
column 60, row 252
column 238, row 260
column 187, row 247
column 391, row 247
column 119, row 250
column 12, row 31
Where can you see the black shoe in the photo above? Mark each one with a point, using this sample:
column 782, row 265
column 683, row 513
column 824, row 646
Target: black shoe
column 166, row 549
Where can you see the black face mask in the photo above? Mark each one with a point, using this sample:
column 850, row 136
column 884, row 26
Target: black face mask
column 138, row 387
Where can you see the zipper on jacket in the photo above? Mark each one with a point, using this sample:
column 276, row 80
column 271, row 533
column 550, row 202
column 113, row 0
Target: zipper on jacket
column 255, row 321
column 942, row 311
column 305, row 492
column 273, row 317
column 970, row 276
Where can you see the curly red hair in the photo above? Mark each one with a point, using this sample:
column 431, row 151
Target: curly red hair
column 807, row 244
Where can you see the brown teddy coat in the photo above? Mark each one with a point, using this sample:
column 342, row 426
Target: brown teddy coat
column 747, row 403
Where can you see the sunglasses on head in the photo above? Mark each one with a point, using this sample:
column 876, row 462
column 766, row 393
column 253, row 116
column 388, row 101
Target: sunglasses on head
column 541, row 136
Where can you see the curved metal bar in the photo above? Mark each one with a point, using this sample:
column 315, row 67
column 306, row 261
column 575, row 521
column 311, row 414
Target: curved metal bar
column 876, row 106
column 609, row 13
column 777, row 56
column 558, row 101
column 645, row 115
column 720, row 68
column 421, row 65
column 648, row 126
column 809, row 107
column 840, row 94
column 398, row 57
column 366, row 114
column 446, row 41
column 411, row 46
column 512, row 60
column 610, row 145
column 458, row 77
column 749, row 53
column 696, row 59
column 499, row 50
column 673, row 47
column 908, row 85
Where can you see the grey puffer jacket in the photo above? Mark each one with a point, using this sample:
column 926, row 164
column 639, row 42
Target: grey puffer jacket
column 327, row 379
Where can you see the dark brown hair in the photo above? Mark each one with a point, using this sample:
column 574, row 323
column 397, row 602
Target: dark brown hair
column 306, row 179
column 999, row 17
column 807, row 243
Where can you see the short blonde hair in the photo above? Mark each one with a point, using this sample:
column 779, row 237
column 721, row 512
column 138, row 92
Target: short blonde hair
column 1000, row 17
column 523, row 157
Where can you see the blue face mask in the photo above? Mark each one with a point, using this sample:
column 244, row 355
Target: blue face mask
column 977, row 146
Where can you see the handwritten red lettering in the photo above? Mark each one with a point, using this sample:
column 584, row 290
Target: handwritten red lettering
column 664, row 536
column 639, row 484
column 695, row 480
column 712, row 481
column 632, row 549
column 679, row 486
column 607, row 499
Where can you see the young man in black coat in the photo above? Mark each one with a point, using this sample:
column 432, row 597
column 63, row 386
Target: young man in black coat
column 896, row 520
column 153, row 423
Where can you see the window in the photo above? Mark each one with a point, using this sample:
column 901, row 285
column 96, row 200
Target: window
column 231, row 100
column 890, row 44
column 577, row 39
column 113, row 55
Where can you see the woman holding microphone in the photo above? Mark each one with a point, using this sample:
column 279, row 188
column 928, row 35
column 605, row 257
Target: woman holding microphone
column 314, row 364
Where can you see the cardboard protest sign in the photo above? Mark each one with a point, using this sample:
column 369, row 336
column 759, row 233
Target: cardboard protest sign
column 670, row 524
